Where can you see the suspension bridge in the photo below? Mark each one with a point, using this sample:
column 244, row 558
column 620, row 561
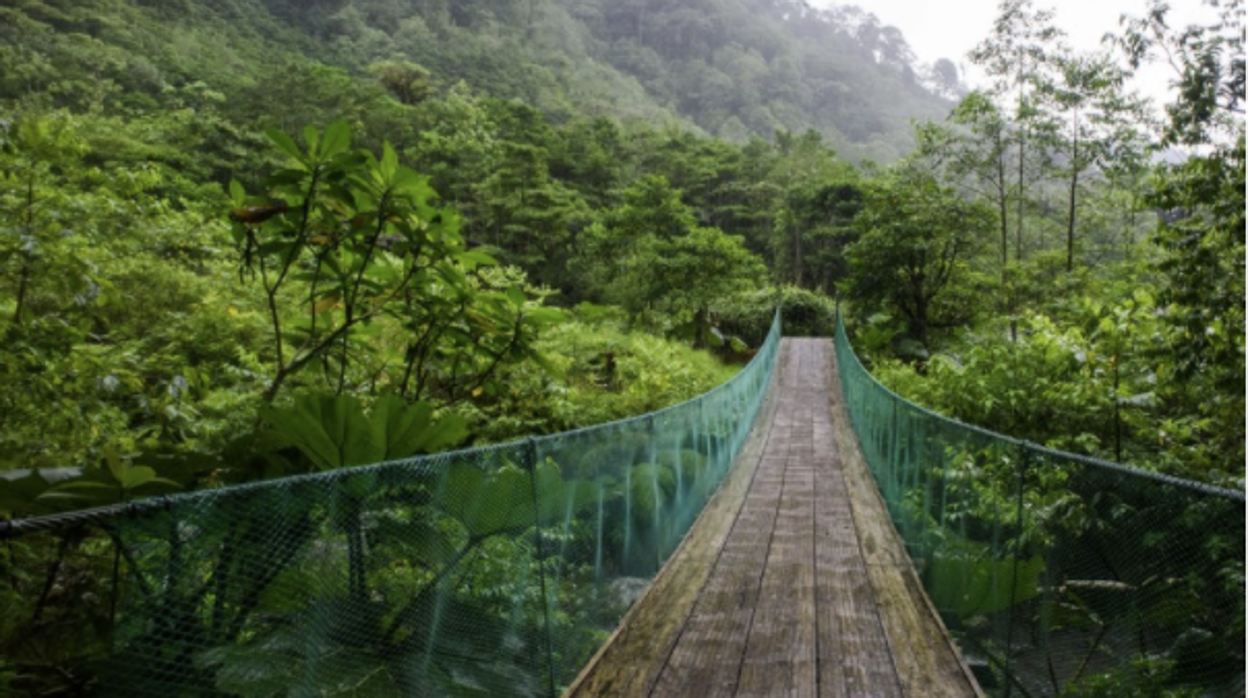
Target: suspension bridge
column 788, row 584
column 798, row 531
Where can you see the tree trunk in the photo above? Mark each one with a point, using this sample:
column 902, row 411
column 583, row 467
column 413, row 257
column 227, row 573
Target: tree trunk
column 1022, row 150
column 1018, row 235
column 920, row 320
column 1070, row 219
column 1002, row 204
column 797, row 258
column 701, row 328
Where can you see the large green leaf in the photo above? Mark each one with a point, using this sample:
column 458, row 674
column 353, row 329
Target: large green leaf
column 488, row 503
column 312, row 138
column 420, row 541
column 337, row 139
column 284, row 143
column 335, row 431
column 389, row 163
column 976, row 584
column 559, row 499
column 329, row 430
column 651, row 488
column 21, row 490
column 501, row 500
column 411, row 429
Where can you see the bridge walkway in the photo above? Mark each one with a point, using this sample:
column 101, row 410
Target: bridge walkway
column 792, row 582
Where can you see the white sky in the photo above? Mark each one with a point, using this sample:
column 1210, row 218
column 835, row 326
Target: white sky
column 950, row 29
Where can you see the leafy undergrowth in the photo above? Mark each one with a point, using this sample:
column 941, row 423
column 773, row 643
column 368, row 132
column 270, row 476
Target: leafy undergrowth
column 598, row 371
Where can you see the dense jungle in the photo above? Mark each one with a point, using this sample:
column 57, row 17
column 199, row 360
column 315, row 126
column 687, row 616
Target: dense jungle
column 228, row 224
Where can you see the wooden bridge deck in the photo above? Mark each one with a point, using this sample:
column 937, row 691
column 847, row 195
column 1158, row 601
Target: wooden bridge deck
column 792, row 581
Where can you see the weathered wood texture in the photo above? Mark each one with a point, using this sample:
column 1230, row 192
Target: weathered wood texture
column 628, row 664
column 928, row 663
column 787, row 585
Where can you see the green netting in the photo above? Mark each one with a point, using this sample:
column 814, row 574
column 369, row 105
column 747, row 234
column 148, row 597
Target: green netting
column 488, row 572
column 1058, row 574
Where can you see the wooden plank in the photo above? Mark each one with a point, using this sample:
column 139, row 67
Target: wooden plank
column 780, row 656
column 854, row 655
column 630, row 660
column 928, row 663
column 706, row 659
column 858, row 655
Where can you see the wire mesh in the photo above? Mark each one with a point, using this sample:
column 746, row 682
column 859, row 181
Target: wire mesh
column 496, row 571
column 1058, row 574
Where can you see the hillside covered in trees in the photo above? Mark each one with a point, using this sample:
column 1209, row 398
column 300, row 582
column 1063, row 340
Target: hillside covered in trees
column 564, row 153
column 726, row 68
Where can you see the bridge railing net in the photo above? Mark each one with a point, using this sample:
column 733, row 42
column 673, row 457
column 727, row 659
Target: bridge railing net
column 496, row 571
column 1058, row 574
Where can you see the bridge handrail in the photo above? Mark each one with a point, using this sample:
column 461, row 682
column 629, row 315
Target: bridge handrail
column 1057, row 572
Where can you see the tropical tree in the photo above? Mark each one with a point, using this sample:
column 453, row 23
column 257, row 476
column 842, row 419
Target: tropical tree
column 344, row 240
column 408, row 82
column 1093, row 121
column 973, row 151
column 1208, row 70
column 801, row 159
column 650, row 256
column 912, row 258
column 817, row 216
column 1201, row 234
column 1015, row 55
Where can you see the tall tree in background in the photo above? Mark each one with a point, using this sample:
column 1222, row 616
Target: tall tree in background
column 803, row 159
column 1208, row 66
column 1015, row 55
column 408, row 82
column 1090, row 122
column 974, row 151
column 917, row 239
column 820, row 215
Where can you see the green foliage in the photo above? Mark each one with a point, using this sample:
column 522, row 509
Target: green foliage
column 408, row 82
column 362, row 236
column 99, row 346
column 1144, row 314
column 600, row 373
column 335, row 432
column 1209, row 64
column 472, row 573
column 1203, row 347
column 748, row 315
column 668, row 270
column 734, row 68
column 1067, row 575
column 913, row 255
column 814, row 226
column 1143, row 676
column 967, row 583
column 1051, row 387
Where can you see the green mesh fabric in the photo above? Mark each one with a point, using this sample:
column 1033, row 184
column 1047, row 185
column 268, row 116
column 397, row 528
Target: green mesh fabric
column 1058, row 574
column 488, row 572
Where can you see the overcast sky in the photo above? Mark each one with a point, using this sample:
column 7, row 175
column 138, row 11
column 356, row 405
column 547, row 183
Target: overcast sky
column 950, row 29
